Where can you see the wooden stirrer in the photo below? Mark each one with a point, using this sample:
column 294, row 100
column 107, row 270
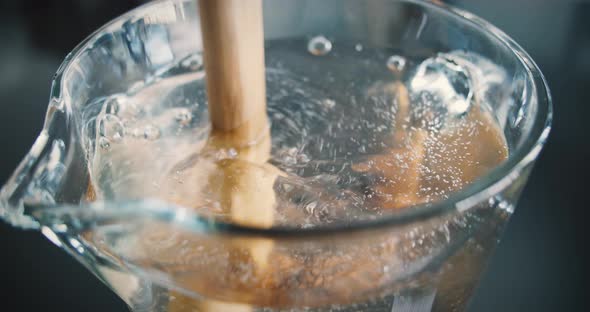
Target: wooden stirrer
column 233, row 41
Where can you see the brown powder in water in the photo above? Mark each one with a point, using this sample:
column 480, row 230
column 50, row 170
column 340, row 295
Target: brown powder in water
column 420, row 166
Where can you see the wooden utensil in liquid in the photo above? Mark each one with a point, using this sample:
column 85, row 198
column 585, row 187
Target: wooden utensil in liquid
column 233, row 41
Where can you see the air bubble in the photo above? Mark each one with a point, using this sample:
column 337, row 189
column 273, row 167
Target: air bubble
column 151, row 132
column 232, row 153
column 396, row 63
column 506, row 206
column 184, row 117
column 329, row 103
column 104, row 143
column 358, row 47
column 319, row 46
column 111, row 127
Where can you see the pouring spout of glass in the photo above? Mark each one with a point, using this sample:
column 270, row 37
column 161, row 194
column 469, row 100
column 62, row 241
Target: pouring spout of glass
column 39, row 178
column 125, row 54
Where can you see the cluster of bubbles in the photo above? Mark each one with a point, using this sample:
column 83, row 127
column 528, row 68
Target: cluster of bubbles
column 119, row 117
column 322, row 46
column 112, row 128
column 119, row 121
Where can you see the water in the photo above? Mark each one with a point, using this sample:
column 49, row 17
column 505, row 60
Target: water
column 349, row 153
column 345, row 149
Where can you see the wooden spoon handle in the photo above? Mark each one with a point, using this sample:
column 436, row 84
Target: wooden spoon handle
column 233, row 40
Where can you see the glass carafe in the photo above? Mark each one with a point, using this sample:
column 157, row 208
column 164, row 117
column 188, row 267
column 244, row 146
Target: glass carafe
column 425, row 258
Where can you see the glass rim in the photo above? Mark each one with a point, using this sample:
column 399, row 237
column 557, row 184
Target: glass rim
column 486, row 186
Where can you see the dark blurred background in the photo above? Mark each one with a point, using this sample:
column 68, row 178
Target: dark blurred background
column 541, row 264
